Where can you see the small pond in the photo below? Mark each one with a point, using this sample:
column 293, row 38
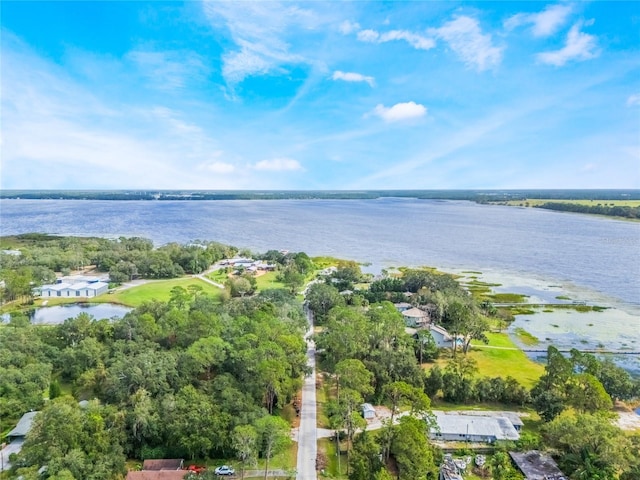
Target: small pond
column 58, row 314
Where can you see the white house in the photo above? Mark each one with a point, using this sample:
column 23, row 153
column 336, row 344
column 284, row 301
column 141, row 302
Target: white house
column 440, row 335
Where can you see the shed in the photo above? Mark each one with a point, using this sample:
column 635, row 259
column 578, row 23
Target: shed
column 23, row 427
column 368, row 412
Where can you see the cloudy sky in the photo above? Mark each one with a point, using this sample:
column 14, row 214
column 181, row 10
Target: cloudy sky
column 319, row 95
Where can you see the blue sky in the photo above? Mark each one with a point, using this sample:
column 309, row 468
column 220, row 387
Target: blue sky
column 320, row 95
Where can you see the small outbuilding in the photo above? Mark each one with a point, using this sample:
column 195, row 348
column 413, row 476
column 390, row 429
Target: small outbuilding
column 368, row 412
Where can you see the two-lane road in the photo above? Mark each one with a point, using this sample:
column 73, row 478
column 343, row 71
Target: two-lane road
column 307, row 433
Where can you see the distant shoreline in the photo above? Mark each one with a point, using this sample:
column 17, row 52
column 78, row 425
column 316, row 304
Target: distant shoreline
column 479, row 196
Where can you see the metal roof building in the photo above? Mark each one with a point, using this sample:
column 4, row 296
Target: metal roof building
column 471, row 428
column 23, row 427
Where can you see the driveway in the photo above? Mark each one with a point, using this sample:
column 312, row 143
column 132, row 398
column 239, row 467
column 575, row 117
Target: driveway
column 13, row 447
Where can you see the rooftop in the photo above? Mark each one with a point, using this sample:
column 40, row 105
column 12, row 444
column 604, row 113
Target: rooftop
column 498, row 427
column 24, row 425
column 537, row 466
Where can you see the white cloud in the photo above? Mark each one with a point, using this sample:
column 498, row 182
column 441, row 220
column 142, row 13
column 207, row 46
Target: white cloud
column 634, row 100
column 416, row 41
column 579, row 46
column 353, row 77
column 278, row 165
column 218, row 167
column 400, row 111
column 368, row 35
column 260, row 29
column 543, row 24
column 465, row 38
column 348, row 27
column 168, row 70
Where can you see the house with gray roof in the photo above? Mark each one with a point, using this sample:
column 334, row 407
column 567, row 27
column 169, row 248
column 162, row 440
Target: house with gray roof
column 471, row 428
column 23, row 427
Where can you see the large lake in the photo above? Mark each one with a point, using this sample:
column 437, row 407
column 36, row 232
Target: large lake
column 599, row 255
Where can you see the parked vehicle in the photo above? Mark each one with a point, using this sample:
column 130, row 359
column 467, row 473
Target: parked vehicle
column 224, row 470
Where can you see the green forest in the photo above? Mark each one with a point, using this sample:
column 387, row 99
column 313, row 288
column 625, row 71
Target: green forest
column 216, row 377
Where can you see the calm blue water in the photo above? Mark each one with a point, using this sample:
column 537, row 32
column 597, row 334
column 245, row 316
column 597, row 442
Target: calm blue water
column 598, row 254
column 58, row 314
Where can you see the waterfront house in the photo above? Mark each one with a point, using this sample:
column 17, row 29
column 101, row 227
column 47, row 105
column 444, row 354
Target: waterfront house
column 415, row 317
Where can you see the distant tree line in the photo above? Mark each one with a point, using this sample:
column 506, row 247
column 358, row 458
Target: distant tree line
column 481, row 196
column 598, row 209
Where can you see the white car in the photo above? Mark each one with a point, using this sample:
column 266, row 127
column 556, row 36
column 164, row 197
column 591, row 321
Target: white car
column 224, row 470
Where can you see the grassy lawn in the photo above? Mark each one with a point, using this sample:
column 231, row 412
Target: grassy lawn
column 268, row 280
column 502, row 362
column 155, row 290
column 497, row 362
column 321, row 400
column 327, row 448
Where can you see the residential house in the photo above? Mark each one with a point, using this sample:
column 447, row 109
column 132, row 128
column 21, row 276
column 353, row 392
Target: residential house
column 402, row 306
column 414, row 317
column 22, row 428
column 442, row 338
column 472, row 428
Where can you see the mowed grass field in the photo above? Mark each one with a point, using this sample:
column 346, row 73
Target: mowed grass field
column 156, row 290
column 507, row 360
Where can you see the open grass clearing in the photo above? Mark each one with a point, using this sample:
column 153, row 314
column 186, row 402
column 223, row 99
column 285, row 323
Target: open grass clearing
column 504, row 360
column 155, row 290
column 327, row 449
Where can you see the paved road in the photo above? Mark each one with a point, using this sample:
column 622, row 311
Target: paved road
column 13, row 447
column 307, row 433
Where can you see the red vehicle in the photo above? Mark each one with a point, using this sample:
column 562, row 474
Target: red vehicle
column 196, row 468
